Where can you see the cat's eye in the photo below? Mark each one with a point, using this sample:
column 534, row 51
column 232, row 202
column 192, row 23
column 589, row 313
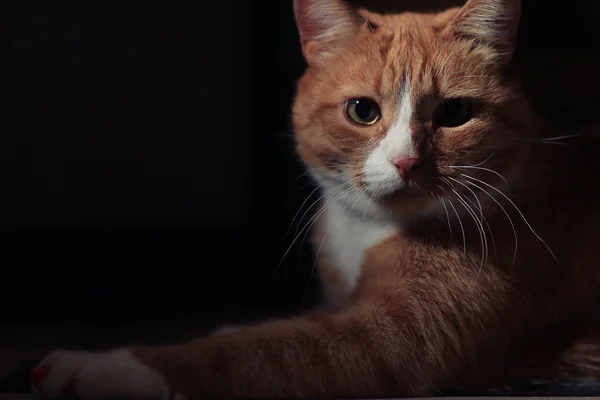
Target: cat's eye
column 363, row 111
column 453, row 112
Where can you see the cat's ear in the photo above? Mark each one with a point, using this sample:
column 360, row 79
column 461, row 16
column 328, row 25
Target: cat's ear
column 493, row 23
column 323, row 25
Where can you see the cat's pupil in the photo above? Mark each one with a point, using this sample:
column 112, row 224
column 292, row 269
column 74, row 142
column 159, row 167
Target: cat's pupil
column 364, row 109
column 453, row 112
column 455, row 108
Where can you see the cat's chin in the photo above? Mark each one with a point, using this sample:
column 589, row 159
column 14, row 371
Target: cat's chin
column 408, row 199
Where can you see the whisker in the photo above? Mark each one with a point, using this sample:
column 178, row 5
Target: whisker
column 314, row 218
column 461, row 228
column 482, row 169
column 518, row 210
column 447, row 214
column 478, row 223
column 315, row 203
column 483, row 162
column 303, row 174
column 311, row 169
column 485, row 221
column 561, row 137
column 487, row 225
column 507, row 216
column 367, row 208
column 542, row 141
column 472, row 192
column 307, row 199
column 481, row 216
column 314, row 267
column 354, row 201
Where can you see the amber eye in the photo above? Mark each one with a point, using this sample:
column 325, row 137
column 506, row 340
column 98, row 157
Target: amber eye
column 453, row 112
column 363, row 111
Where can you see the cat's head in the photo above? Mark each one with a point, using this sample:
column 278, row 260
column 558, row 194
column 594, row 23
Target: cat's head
column 402, row 107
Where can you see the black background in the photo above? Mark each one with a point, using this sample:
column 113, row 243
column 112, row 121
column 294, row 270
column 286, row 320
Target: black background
column 146, row 156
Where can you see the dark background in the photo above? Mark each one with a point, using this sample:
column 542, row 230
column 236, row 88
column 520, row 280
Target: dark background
column 147, row 173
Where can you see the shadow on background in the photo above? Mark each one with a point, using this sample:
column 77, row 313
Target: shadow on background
column 147, row 165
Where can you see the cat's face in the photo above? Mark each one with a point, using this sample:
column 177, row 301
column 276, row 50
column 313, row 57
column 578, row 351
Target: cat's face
column 403, row 107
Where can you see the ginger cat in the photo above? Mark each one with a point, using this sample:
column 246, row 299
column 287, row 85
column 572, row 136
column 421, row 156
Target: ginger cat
column 457, row 242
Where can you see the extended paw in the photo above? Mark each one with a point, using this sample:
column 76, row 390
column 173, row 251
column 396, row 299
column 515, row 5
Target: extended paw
column 88, row 376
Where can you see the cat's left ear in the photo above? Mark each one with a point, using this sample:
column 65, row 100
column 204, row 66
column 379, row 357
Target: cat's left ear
column 493, row 23
column 323, row 25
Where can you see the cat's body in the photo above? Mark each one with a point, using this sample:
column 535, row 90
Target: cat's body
column 565, row 295
column 456, row 242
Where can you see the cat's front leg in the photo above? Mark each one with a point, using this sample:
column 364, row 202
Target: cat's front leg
column 394, row 344
column 321, row 355
column 102, row 375
column 422, row 326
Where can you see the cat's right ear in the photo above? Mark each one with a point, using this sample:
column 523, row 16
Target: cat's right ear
column 323, row 25
column 493, row 23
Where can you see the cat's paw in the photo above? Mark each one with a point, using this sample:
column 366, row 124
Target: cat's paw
column 88, row 376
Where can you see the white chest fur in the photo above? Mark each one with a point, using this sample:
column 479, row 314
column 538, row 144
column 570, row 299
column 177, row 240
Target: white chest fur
column 348, row 233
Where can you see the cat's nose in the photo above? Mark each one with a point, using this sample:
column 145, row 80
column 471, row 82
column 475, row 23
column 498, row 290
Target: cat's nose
column 405, row 165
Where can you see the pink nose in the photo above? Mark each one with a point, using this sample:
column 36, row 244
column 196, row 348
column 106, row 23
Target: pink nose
column 404, row 165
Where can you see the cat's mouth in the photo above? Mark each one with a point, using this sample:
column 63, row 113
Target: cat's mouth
column 417, row 191
column 408, row 191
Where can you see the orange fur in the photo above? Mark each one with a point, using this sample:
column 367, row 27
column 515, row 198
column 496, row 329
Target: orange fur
column 429, row 310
